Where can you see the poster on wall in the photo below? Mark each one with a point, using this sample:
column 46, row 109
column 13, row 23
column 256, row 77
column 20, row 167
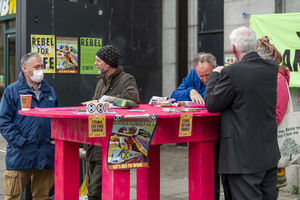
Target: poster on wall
column 229, row 58
column 88, row 50
column 66, row 55
column 129, row 142
column 44, row 45
column 284, row 33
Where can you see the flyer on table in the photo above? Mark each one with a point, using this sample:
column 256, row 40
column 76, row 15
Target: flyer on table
column 66, row 55
column 129, row 142
column 44, row 45
column 88, row 50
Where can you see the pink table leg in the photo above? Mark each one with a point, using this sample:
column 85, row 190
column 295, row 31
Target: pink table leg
column 115, row 184
column 201, row 170
column 148, row 179
column 66, row 171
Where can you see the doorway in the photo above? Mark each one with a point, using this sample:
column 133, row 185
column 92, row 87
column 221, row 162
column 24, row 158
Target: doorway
column 7, row 54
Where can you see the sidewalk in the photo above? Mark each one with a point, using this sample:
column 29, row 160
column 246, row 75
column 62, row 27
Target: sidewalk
column 173, row 171
column 174, row 174
column 2, row 167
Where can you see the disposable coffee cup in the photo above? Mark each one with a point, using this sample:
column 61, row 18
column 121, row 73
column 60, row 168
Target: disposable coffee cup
column 25, row 101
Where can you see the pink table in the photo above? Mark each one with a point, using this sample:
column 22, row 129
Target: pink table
column 69, row 129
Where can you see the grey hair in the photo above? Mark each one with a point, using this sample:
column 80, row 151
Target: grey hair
column 25, row 60
column 205, row 57
column 244, row 40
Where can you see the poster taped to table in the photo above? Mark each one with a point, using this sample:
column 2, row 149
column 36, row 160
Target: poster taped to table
column 129, row 141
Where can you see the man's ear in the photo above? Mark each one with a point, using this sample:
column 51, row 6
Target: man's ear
column 23, row 67
column 233, row 49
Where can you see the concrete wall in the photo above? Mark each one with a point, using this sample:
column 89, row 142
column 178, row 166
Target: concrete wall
column 291, row 6
column 193, row 29
column 170, row 42
column 233, row 15
column 169, row 46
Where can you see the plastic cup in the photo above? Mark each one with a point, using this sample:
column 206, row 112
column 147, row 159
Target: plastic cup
column 25, row 101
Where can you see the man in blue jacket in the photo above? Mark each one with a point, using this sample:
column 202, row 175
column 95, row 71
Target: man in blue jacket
column 30, row 149
column 193, row 86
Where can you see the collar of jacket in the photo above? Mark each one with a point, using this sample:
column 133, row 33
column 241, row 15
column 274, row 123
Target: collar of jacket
column 250, row 55
column 24, row 88
column 116, row 73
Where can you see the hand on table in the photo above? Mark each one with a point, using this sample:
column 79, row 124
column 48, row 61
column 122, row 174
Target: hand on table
column 195, row 96
column 86, row 102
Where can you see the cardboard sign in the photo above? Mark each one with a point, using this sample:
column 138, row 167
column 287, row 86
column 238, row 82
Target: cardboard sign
column 185, row 128
column 97, row 126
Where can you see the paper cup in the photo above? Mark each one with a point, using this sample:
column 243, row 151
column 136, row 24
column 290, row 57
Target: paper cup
column 25, row 101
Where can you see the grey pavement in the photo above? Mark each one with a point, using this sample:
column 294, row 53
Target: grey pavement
column 174, row 176
column 173, row 171
column 2, row 167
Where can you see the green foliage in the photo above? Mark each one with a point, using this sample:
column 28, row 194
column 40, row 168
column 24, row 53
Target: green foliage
column 294, row 190
column 289, row 148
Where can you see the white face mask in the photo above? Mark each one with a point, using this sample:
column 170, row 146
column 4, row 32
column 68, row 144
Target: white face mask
column 37, row 76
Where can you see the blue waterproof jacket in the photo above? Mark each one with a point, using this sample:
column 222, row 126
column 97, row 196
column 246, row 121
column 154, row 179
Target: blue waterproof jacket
column 28, row 138
column 182, row 93
column 191, row 81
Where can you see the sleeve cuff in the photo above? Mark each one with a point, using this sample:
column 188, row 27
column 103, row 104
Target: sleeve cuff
column 21, row 141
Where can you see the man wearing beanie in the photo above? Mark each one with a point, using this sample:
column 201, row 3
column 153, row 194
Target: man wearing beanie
column 113, row 81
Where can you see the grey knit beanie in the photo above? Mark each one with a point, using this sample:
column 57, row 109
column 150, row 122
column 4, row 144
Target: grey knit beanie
column 110, row 55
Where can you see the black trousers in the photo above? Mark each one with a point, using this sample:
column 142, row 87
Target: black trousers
column 95, row 184
column 226, row 187
column 257, row 186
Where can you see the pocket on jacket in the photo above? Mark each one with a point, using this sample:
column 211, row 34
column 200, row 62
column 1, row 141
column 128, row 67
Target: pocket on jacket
column 12, row 185
column 225, row 133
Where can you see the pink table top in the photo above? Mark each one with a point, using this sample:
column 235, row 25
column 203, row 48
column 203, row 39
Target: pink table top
column 70, row 112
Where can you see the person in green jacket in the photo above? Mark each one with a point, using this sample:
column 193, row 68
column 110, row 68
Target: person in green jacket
column 113, row 81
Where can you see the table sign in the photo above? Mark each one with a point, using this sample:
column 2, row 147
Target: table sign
column 97, row 126
column 185, row 128
column 129, row 142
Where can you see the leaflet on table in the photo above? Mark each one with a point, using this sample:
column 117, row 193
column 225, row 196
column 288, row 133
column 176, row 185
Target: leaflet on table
column 129, row 142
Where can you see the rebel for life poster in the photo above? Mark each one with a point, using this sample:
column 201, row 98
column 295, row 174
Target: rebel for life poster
column 44, row 45
column 88, row 50
column 66, row 55
column 129, row 142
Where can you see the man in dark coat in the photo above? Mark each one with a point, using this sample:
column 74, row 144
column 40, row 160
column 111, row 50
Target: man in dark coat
column 245, row 94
